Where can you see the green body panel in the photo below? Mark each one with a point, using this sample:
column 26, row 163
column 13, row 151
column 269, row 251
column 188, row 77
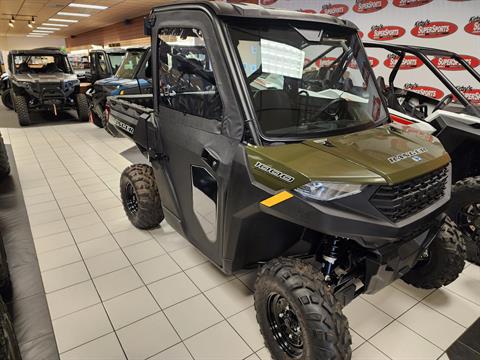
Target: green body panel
column 357, row 158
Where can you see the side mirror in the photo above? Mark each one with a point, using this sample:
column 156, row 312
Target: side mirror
column 147, row 25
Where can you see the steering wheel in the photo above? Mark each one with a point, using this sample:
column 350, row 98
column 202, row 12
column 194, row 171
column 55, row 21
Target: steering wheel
column 337, row 102
column 447, row 99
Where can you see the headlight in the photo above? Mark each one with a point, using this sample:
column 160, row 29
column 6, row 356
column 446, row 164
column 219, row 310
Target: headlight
column 326, row 191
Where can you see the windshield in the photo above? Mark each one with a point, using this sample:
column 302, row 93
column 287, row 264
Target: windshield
column 41, row 64
column 116, row 61
column 305, row 82
column 129, row 64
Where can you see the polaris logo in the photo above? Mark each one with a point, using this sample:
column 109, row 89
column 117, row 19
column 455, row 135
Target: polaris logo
column 412, row 154
column 274, row 172
column 124, row 126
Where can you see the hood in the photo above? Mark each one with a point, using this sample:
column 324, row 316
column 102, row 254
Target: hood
column 383, row 155
column 114, row 81
column 52, row 77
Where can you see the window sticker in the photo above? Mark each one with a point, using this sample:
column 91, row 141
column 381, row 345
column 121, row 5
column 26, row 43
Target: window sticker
column 281, row 59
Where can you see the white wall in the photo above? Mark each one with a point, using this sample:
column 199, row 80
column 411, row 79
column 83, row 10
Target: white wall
column 457, row 12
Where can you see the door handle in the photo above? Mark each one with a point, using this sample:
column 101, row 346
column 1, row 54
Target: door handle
column 210, row 158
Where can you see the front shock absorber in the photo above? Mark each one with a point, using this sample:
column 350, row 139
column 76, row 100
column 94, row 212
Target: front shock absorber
column 330, row 257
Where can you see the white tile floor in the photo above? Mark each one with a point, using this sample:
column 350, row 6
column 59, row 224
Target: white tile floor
column 116, row 292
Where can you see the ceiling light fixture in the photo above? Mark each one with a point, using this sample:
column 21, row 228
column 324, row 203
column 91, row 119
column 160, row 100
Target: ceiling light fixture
column 47, row 28
column 37, row 36
column 33, row 19
column 10, row 23
column 13, row 19
column 63, row 13
column 58, row 25
column 30, row 25
column 42, row 31
column 63, row 20
column 88, row 6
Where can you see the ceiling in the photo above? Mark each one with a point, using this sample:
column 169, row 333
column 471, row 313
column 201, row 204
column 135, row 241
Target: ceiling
column 118, row 10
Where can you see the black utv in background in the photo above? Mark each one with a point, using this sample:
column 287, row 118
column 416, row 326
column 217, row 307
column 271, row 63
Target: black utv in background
column 103, row 63
column 132, row 77
column 42, row 79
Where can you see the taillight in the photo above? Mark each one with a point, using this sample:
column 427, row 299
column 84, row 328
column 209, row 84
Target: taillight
column 400, row 120
column 106, row 113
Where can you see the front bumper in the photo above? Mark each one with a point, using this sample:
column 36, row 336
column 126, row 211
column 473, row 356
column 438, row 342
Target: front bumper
column 51, row 94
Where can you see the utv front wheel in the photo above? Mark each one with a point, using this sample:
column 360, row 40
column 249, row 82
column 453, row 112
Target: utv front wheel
column 464, row 209
column 140, row 197
column 82, row 107
column 443, row 260
column 7, row 98
column 4, row 164
column 21, row 108
column 298, row 315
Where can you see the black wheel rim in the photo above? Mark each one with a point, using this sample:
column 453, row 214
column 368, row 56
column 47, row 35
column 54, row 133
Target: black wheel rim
column 284, row 325
column 131, row 199
column 469, row 221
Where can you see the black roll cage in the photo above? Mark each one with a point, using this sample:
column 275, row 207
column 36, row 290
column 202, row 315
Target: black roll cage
column 422, row 53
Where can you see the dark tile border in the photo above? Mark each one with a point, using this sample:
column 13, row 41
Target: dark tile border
column 28, row 306
column 467, row 346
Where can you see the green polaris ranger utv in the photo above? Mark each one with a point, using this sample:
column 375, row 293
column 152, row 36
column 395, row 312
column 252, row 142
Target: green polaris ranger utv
column 256, row 164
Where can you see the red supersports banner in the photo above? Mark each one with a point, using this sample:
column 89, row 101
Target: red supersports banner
column 334, row 9
column 410, row 3
column 386, row 32
column 447, row 63
column 369, row 6
column 425, row 90
column 408, row 62
column 433, row 29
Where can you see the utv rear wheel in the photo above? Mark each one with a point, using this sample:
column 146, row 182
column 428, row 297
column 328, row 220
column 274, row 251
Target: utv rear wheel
column 8, row 342
column 298, row 315
column 82, row 107
column 140, row 197
column 4, row 164
column 464, row 209
column 7, row 98
column 21, row 108
column 442, row 262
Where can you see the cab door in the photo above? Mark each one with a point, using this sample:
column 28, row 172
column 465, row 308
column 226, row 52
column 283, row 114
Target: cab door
column 194, row 104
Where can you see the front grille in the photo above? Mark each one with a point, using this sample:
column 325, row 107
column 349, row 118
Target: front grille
column 400, row 201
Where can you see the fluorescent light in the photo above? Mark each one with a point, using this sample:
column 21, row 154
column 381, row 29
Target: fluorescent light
column 47, row 28
column 63, row 13
column 88, row 6
column 30, row 25
column 50, row 24
column 42, row 31
column 10, row 23
column 63, row 20
column 37, row 36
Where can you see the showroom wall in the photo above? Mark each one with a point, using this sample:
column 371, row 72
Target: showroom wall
column 445, row 24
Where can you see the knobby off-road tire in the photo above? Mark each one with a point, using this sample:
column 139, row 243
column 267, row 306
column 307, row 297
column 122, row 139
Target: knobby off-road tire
column 445, row 260
column 4, row 164
column 82, row 107
column 317, row 315
column 464, row 209
column 8, row 342
column 140, row 197
column 21, row 108
column 7, row 98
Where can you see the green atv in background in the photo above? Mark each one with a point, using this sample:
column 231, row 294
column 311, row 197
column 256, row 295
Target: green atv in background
column 257, row 164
